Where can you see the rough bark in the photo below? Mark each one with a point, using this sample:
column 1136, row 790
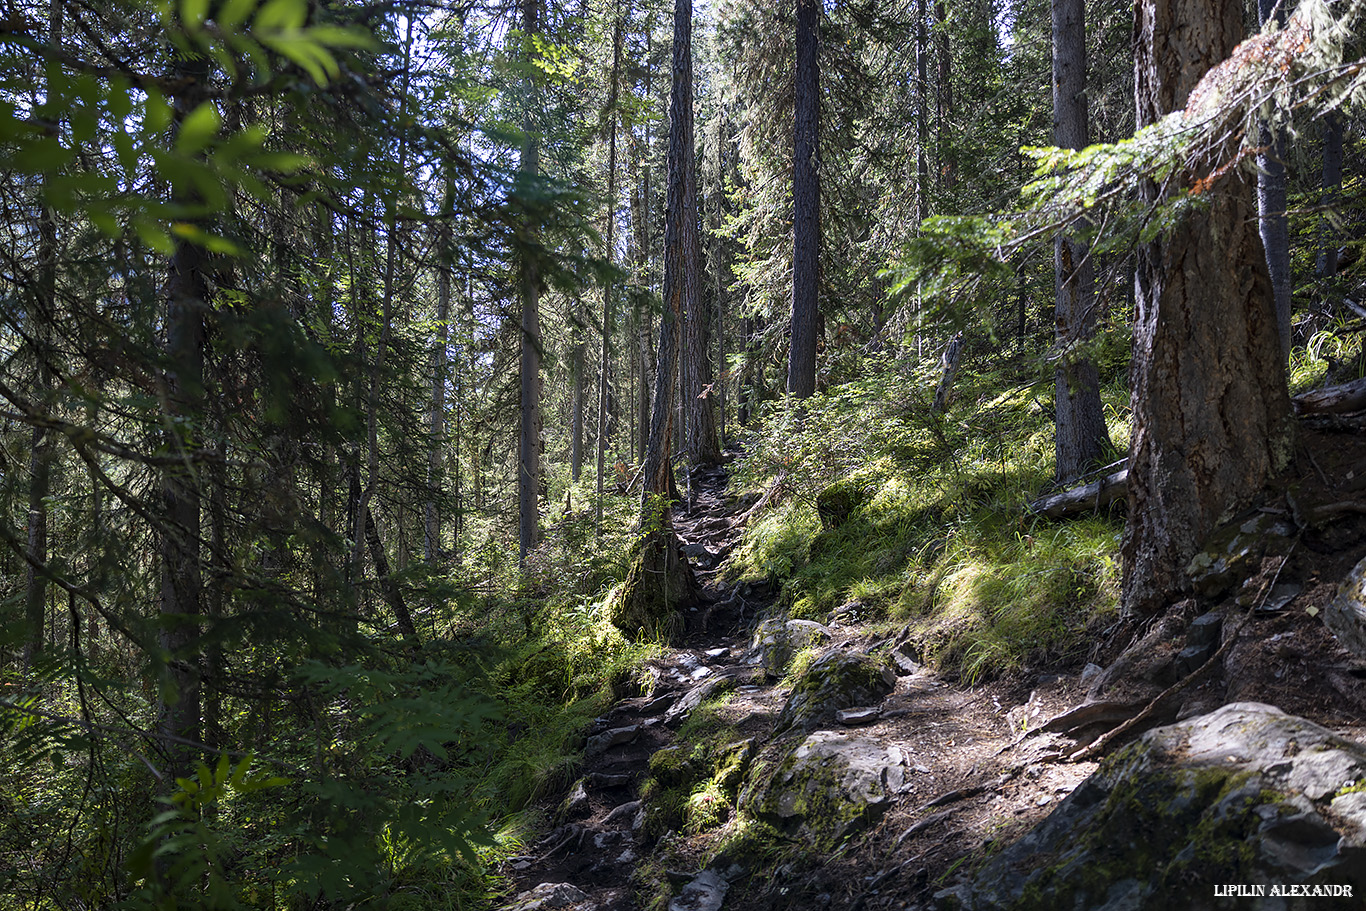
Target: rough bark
column 1082, row 439
column 660, row 579
column 1212, row 416
column 806, row 190
column 529, row 432
column 180, row 605
column 1272, row 222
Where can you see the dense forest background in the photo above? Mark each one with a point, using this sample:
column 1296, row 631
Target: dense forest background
column 351, row 355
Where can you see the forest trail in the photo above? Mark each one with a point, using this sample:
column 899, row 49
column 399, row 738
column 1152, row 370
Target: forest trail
column 982, row 764
column 598, row 835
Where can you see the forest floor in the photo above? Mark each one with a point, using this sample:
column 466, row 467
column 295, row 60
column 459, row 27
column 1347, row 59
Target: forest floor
column 981, row 768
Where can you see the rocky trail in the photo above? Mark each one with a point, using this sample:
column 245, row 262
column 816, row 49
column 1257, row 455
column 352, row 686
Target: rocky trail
column 880, row 785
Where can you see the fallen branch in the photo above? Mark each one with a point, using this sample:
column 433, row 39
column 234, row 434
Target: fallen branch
column 1332, row 399
column 1094, row 495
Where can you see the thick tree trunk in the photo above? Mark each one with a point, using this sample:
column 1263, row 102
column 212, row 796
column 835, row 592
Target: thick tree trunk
column 806, row 202
column 1082, row 439
column 529, row 434
column 1211, row 413
column 181, row 588
column 1272, row 222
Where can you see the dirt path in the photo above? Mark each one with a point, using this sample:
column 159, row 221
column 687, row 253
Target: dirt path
column 978, row 774
column 597, row 842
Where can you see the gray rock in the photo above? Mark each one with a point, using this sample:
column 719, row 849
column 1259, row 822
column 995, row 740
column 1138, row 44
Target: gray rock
column 576, row 804
column 830, row 786
column 858, row 716
column 1245, row 794
column 551, row 897
column 837, row 680
column 707, row 689
column 624, row 813
column 705, row 893
column 1234, row 552
column 658, row 704
column 776, row 641
column 1345, row 615
column 1204, row 630
column 601, row 743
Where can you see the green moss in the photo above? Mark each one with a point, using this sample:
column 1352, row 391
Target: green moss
column 1132, row 837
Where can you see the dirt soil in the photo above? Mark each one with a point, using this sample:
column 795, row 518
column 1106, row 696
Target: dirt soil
column 981, row 770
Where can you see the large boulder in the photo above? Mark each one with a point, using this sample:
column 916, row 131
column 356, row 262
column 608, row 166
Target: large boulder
column 1246, row 795
column 836, row 680
column 830, row 786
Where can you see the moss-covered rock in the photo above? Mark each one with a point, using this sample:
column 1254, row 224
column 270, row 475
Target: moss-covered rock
column 776, row 640
column 1236, row 796
column 836, row 680
column 828, row 787
column 1235, row 552
column 836, row 503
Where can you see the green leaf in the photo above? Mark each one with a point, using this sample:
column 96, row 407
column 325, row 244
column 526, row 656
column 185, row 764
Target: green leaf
column 201, row 238
column 281, row 15
column 193, row 13
column 233, row 13
column 339, row 36
column 154, row 236
column 198, row 127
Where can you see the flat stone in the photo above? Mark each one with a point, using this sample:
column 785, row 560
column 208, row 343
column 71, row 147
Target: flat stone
column 703, row 691
column 706, row 892
column 606, row 780
column 658, row 704
column 836, row 680
column 858, row 716
column 551, row 897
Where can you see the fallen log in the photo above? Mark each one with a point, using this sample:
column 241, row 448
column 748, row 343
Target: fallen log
column 1332, row 399
column 1076, row 500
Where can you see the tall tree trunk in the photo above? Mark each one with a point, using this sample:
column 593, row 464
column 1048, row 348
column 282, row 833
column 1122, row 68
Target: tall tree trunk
column 1326, row 265
column 806, row 203
column 1272, row 220
column 180, row 604
column 436, row 416
column 922, row 102
column 943, row 96
column 604, row 387
column 1082, row 439
column 1211, row 414
column 529, row 432
column 577, row 357
column 40, row 453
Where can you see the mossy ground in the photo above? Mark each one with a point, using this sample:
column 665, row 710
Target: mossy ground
column 920, row 519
